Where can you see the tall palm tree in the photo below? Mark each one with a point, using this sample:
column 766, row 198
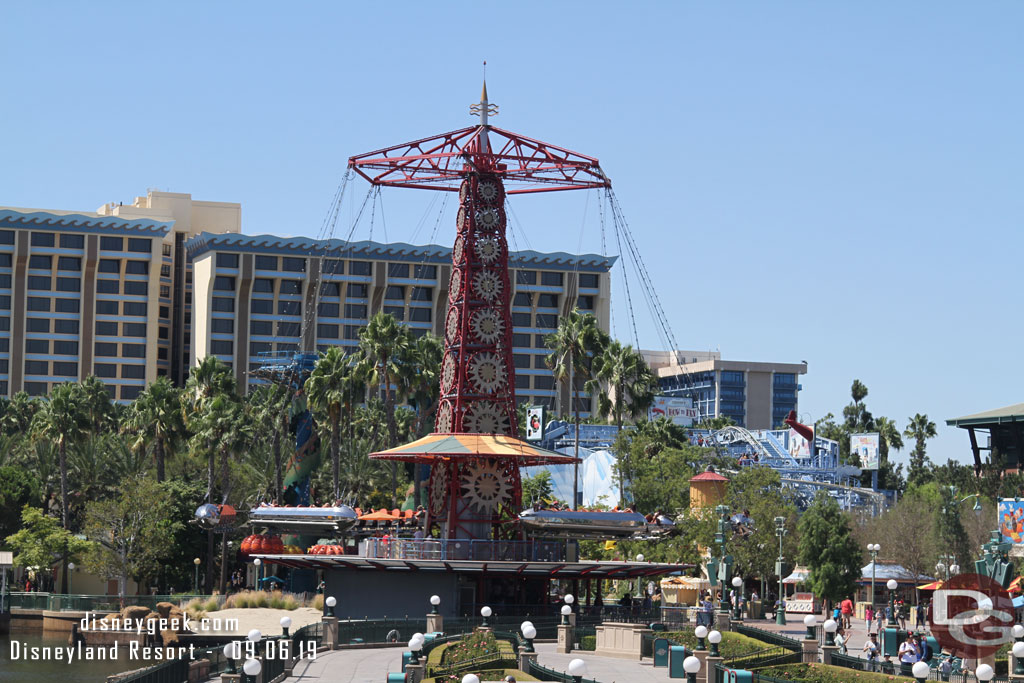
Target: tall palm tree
column 577, row 340
column 155, row 417
column 270, row 405
column 17, row 418
column 384, row 343
column 329, row 389
column 62, row 420
column 97, row 404
column 888, row 436
column 920, row 429
column 624, row 384
column 422, row 371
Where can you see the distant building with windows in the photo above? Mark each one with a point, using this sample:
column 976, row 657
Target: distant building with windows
column 256, row 294
column 754, row 395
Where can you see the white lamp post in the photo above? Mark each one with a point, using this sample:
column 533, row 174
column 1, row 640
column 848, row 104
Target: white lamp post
column 470, row 678
column 258, row 563
column 577, row 669
column 529, row 632
column 984, row 673
column 810, row 621
column 701, row 632
column 714, row 638
column 195, row 585
column 415, row 645
column 435, row 600
column 71, row 569
column 485, row 612
column 873, row 548
column 330, row 603
column 232, row 651
column 892, row 586
column 691, row 665
column 920, row 670
column 737, row 584
column 566, row 611
column 830, row 627
column 286, row 623
column 252, row 668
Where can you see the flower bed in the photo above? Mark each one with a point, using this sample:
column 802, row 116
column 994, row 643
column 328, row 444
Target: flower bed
column 819, row 673
column 732, row 645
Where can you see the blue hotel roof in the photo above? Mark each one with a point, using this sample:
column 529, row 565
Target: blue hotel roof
column 82, row 222
column 394, row 251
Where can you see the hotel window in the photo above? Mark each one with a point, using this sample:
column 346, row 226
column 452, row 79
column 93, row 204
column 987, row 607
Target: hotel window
column 540, row 361
column 41, row 261
column 6, row 237
column 266, row 262
column 227, row 260
column 105, row 370
column 288, row 329
column 61, row 326
column 5, row 260
column 161, row 353
column 130, row 392
column 289, row 308
column 352, row 331
column 327, row 331
column 165, row 249
column 36, row 388
column 135, row 287
column 65, row 368
column 396, row 312
column 330, row 289
column 133, row 371
column 5, row 326
column 106, row 308
column 356, row 290
column 548, row 320
column 421, row 294
column 221, row 347
column 224, row 305
column 259, row 347
column 521, row 320
column 585, row 302
column 523, row 299
column 165, row 312
column 223, row 283
column 38, row 303
column 106, row 328
column 255, row 306
column 136, row 267
column 38, row 282
column 5, row 281
column 5, row 302
column 328, row 310
column 162, row 332
column 37, row 367
column 293, row 265
column 522, row 381
column 543, row 382
column 133, row 329
column 69, row 263
column 261, row 327
column 138, row 244
column 291, row 287
column 398, row 270
column 222, row 326
column 42, row 239
column 63, row 347
column 263, row 285
column 526, row 277
column 425, row 272
column 165, row 270
column 112, row 243
column 165, row 291
column 547, row 301
column 37, row 325
column 333, row 266
column 37, row 346
column 67, row 305
column 588, row 280
column 395, row 293
column 520, row 360
column 355, row 311
column 108, row 265
column 134, row 350
column 521, row 340
column 420, row 315
column 359, row 267
column 72, row 241
column 108, row 286
column 551, row 279
column 135, row 308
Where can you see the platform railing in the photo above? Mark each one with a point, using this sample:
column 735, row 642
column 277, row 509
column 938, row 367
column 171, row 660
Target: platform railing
column 458, row 549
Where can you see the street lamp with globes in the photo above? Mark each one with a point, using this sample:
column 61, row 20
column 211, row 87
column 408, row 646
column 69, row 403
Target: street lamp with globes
column 195, row 585
column 485, row 612
column 577, row 669
column 737, row 584
column 892, row 586
column 691, row 665
column 71, row 569
column 873, row 548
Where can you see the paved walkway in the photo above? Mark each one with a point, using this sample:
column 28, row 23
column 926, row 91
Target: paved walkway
column 603, row 669
column 349, row 666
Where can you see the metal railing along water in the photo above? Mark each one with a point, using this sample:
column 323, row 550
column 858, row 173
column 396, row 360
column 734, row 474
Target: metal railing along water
column 458, row 549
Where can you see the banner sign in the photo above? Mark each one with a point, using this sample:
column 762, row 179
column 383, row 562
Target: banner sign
column 1011, row 520
column 678, row 409
column 535, row 423
column 865, row 446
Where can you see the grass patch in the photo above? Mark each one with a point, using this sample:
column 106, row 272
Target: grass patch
column 732, row 645
column 588, row 643
column 485, row 675
column 257, row 599
column 819, row 673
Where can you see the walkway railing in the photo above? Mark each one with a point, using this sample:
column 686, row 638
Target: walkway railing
column 542, row 673
column 770, row 637
column 56, row 602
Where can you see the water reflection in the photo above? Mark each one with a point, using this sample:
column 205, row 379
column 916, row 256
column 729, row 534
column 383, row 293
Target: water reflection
column 25, row 670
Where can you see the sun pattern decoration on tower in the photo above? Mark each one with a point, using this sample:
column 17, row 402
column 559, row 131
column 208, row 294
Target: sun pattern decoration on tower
column 477, row 374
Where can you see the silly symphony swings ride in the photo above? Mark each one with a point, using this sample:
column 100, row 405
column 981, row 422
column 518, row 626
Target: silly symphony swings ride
column 474, row 453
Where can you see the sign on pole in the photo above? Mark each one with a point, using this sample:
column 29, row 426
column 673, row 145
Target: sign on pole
column 678, row 409
column 865, row 447
column 535, row 423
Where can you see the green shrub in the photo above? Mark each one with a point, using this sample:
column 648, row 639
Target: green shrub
column 588, row 643
column 732, row 645
column 819, row 673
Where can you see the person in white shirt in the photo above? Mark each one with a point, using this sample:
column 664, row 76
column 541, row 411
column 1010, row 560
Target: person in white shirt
column 871, row 647
column 907, row 653
column 841, row 641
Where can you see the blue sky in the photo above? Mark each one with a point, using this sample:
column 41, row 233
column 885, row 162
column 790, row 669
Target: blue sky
column 833, row 182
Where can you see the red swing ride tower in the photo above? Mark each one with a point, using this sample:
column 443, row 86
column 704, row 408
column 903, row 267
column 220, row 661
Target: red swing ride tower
column 475, row 453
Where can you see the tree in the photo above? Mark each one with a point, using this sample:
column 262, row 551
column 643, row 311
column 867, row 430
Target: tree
column 577, row 340
column 758, row 490
column 905, row 532
column 948, row 524
column 42, row 542
column 625, row 386
column 155, row 418
column 18, row 489
column 62, row 420
column 97, row 404
column 829, row 550
column 920, row 429
column 17, row 419
column 132, row 533
column 538, row 488
column 329, row 388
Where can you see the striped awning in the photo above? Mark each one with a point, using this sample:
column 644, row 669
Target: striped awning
column 435, row 447
column 933, row 586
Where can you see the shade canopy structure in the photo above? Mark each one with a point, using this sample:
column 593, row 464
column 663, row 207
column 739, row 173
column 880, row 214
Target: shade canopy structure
column 436, row 447
column 381, row 515
column 799, row 575
column 933, row 586
column 884, row 572
column 1005, row 432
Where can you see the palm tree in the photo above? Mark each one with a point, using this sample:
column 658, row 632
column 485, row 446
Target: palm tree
column 626, row 384
column 888, row 436
column 62, row 420
column 329, row 388
column 97, row 404
column 424, row 368
column 270, row 403
column 577, row 339
column 17, row 418
column 155, row 417
column 920, row 429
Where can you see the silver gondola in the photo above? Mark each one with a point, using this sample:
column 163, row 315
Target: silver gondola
column 591, row 524
column 303, row 519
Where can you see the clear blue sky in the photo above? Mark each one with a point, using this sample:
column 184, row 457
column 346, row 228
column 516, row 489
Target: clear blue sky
column 836, row 182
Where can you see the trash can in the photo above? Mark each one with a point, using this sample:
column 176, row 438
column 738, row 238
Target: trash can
column 660, row 652
column 891, row 639
column 676, row 655
column 396, row 678
column 738, row 676
column 406, row 658
column 657, row 626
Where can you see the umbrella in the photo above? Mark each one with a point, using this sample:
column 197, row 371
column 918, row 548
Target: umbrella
column 272, row 579
column 453, row 446
column 381, row 515
column 933, row 586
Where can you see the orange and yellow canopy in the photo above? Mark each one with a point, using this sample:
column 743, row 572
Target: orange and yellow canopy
column 435, row 447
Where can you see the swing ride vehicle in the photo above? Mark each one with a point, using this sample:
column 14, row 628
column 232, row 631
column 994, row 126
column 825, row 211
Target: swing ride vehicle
column 593, row 524
column 302, row 519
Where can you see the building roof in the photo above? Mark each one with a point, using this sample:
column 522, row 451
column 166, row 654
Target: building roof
column 884, row 572
column 1014, row 413
column 709, row 476
column 393, row 251
column 81, row 222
